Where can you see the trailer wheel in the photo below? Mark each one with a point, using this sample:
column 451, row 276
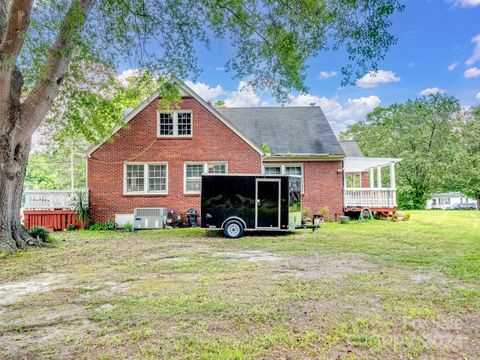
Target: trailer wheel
column 233, row 229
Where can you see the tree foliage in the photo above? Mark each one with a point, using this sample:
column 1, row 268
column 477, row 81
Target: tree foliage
column 424, row 133
column 468, row 173
column 271, row 40
column 85, row 116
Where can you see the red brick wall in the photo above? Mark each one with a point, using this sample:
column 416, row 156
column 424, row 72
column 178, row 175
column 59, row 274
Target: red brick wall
column 323, row 185
column 365, row 179
column 211, row 141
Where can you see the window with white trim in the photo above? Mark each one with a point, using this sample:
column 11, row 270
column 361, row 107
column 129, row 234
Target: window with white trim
column 174, row 123
column 287, row 169
column 145, row 178
column 194, row 172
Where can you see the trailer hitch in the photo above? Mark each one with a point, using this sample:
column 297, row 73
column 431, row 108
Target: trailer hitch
column 313, row 227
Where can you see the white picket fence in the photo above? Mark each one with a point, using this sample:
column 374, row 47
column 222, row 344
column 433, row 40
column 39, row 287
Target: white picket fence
column 367, row 197
column 50, row 199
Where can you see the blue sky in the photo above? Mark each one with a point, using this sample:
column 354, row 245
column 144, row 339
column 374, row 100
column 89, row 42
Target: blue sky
column 438, row 50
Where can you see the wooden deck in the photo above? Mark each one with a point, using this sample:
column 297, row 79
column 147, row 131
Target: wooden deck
column 50, row 209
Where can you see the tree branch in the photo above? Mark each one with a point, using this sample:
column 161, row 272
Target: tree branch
column 16, row 26
column 40, row 99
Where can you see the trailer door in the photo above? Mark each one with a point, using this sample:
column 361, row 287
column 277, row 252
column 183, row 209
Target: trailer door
column 267, row 207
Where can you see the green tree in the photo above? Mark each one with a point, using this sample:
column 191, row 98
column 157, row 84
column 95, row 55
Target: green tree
column 421, row 133
column 46, row 42
column 86, row 116
column 50, row 169
column 469, row 161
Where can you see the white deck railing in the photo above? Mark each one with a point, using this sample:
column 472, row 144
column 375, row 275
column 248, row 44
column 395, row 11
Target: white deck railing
column 50, row 199
column 369, row 197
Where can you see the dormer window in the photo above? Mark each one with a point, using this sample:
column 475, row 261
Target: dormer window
column 174, row 124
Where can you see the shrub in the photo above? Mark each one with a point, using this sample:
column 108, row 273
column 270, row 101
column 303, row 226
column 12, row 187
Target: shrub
column 80, row 207
column 95, row 227
column 127, row 227
column 109, row 225
column 40, row 233
column 71, row 227
column 306, row 215
column 323, row 212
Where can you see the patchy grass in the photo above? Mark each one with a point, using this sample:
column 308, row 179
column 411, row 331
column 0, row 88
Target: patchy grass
column 360, row 290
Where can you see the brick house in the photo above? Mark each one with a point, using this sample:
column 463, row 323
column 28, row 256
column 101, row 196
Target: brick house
column 157, row 160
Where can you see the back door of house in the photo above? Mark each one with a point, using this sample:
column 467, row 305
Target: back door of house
column 268, row 204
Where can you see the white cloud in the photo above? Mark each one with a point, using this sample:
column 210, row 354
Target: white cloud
column 244, row 96
column 327, row 74
column 220, row 68
column 476, row 51
column 204, row 90
column 339, row 115
column 466, row 3
column 431, row 91
column 472, row 72
column 379, row 77
column 452, row 66
column 478, row 97
column 125, row 75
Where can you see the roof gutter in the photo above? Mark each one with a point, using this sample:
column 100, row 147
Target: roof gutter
column 302, row 157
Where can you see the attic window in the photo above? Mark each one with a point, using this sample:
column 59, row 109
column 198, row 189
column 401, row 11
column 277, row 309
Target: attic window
column 174, row 123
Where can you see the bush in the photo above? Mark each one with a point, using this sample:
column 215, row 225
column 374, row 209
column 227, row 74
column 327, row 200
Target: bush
column 40, row 233
column 323, row 212
column 127, row 227
column 109, row 225
column 97, row 226
column 71, row 227
column 80, row 207
column 94, row 227
column 306, row 212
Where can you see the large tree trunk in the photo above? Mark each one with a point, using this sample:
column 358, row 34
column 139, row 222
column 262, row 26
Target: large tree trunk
column 14, row 149
column 18, row 120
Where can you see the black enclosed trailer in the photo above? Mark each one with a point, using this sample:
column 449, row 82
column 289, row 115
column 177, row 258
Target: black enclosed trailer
column 235, row 203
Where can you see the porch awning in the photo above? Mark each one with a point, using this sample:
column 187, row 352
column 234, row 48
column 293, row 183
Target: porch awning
column 361, row 164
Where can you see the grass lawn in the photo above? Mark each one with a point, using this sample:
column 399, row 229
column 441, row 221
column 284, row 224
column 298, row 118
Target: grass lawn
column 361, row 290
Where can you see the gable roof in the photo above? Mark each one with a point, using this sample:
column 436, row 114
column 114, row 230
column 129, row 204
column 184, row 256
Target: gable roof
column 351, row 148
column 286, row 130
column 185, row 90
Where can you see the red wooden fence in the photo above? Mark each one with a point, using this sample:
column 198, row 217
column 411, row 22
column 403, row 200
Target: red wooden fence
column 49, row 219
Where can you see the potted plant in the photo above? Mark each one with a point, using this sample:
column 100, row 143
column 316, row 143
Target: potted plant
column 306, row 220
column 321, row 215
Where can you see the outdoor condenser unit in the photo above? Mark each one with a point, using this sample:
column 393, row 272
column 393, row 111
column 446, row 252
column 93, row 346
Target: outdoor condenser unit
column 150, row 218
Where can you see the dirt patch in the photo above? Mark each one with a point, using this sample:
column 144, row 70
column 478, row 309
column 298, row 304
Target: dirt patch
column 249, row 255
column 420, row 277
column 14, row 291
column 324, row 267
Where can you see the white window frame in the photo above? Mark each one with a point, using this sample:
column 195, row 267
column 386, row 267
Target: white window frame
column 282, row 170
column 205, row 171
column 146, row 177
column 175, row 123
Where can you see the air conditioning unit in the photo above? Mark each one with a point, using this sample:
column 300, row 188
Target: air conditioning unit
column 150, row 218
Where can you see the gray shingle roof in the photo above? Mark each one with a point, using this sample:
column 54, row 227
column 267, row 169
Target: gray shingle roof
column 351, row 148
column 286, row 130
